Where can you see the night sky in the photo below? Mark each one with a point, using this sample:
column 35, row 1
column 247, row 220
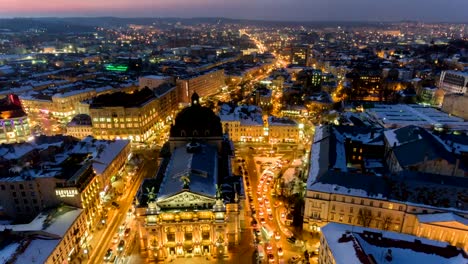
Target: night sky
column 298, row 10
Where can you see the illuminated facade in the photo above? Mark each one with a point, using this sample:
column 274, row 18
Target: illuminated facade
column 133, row 116
column 282, row 130
column 60, row 104
column 14, row 123
column 188, row 214
column 204, row 84
column 243, row 123
column 80, row 126
column 332, row 199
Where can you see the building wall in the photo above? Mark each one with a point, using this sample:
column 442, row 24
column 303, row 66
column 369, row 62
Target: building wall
column 136, row 123
column 74, row 240
column 14, row 129
column 80, row 132
column 283, row 133
column 456, row 105
column 204, row 85
column 189, row 232
column 322, row 208
column 23, row 198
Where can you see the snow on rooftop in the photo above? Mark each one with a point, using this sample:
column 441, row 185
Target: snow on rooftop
column 54, row 222
column 340, row 162
column 38, row 251
column 346, row 242
column 337, row 189
column 315, row 155
column 7, row 252
column 402, row 115
column 442, row 217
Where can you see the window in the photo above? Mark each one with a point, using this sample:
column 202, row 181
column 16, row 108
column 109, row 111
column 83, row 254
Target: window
column 400, row 208
column 362, row 202
column 371, row 203
column 379, row 214
column 352, row 200
column 350, row 220
column 381, row 205
column 333, row 207
column 2, row 187
column 21, row 186
column 351, row 210
column 171, row 237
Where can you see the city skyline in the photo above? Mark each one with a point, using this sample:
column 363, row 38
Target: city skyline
column 295, row 10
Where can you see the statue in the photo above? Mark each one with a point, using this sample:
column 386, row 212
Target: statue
column 218, row 191
column 151, row 195
column 186, row 180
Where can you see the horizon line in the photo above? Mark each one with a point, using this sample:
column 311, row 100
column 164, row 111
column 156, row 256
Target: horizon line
column 244, row 19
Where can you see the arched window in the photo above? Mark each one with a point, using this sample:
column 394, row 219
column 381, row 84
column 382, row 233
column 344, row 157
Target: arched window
column 195, row 133
column 207, row 132
column 182, row 133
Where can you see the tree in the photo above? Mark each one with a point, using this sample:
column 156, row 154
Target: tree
column 365, row 217
column 387, row 220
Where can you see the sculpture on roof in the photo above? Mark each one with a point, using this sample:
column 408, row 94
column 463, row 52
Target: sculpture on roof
column 186, row 180
column 151, row 194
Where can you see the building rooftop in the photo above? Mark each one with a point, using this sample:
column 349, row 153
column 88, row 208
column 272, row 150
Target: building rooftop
column 121, row 99
column 196, row 162
column 359, row 245
column 400, row 115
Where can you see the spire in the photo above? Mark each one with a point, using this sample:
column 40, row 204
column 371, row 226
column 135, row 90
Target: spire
column 195, row 98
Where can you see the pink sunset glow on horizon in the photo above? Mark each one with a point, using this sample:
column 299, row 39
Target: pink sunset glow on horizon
column 93, row 7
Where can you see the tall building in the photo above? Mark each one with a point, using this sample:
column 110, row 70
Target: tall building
column 134, row 116
column 299, row 55
column 203, row 83
column 454, row 82
column 14, row 123
column 184, row 211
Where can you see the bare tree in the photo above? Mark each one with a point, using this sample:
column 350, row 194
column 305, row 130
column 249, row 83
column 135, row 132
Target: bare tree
column 387, row 220
column 365, row 216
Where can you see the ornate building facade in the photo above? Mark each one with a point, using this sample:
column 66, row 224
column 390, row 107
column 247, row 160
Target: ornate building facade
column 191, row 207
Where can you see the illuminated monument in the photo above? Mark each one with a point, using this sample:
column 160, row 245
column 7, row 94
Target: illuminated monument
column 191, row 207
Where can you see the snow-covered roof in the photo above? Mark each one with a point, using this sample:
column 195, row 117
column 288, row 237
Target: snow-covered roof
column 402, row 115
column 199, row 165
column 247, row 115
column 55, row 222
column 315, row 155
column 38, row 251
column 354, row 244
column 442, row 217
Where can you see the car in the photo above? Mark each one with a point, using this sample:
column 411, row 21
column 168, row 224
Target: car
column 265, row 189
column 127, row 232
column 115, row 238
column 277, row 203
column 116, row 205
column 261, row 213
column 121, row 246
column 280, row 251
column 267, row 201
column 109, row 255
column 270, row 217
column 258, row 232
column 260, row 198
column 295, row 259
column 271, row 258
column 291, row 239
column 277, row 235
column 268, row 210
column 283, row 215
column 268, row 246
column 262, row 220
